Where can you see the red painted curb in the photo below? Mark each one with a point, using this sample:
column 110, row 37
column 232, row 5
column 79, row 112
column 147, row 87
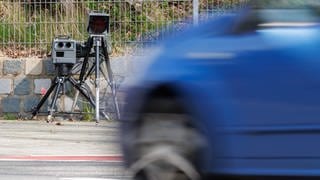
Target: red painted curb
column 111, row 158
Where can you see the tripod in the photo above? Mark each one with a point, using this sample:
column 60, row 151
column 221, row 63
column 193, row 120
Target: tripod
column 97, row 43
column 58, row 84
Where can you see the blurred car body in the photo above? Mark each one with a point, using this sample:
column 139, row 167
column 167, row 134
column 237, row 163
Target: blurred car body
column 239, row 95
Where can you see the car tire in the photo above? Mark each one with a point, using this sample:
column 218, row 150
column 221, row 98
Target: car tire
column 166, row 145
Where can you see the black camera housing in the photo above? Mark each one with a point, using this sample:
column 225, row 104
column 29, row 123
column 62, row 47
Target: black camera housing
column 98, row 23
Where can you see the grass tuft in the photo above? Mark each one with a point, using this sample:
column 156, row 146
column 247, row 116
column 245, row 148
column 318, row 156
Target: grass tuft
column 9, row 116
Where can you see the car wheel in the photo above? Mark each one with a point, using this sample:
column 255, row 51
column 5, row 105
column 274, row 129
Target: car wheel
column 167, row 146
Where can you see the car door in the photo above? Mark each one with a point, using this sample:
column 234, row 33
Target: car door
column 265, row 89
column 272, row 83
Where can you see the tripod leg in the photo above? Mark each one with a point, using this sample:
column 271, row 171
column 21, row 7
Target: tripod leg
column 75, row 101
column 85, row 61
column 97, row 82
column 89, row 72
column 86, row 93
column 54, row 100
column 111, row 80
column 36, row 109
column 113, row 87
column 115, row 100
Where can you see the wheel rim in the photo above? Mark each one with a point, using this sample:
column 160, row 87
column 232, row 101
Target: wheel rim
column 166, row 147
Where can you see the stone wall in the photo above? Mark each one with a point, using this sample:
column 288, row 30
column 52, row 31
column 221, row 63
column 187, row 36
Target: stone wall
column 21, row 81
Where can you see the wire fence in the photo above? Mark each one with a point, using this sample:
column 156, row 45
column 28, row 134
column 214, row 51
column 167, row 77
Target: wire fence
column 27, row 27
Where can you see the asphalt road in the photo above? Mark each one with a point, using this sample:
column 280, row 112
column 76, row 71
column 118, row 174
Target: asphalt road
column 68, row 138
column 48, row 170
column 38, row 150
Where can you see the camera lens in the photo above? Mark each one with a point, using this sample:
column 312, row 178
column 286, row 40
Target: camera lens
column 60, row 44
column 68, row 45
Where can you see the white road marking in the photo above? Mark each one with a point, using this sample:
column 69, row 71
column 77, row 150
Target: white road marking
column 287, row 24
column 210, row 55
column 86, row 178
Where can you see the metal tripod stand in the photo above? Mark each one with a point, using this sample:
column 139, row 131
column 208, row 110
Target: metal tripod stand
column 57, row 87
column 97, row 43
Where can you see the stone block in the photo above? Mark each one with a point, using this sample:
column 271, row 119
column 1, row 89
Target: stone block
column 29, row 102
column 107, row 103
column 33, row 67
column 1, row 109
column 119, row 65
column 5, row 86
column 65, row 104
column 41, row 83
column 22, row 86
column 13, row 67
column 32, row 101
column 48, row 67
column 1, row 67
column 10, row 105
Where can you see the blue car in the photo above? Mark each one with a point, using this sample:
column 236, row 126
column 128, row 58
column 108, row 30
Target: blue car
column 236, row 96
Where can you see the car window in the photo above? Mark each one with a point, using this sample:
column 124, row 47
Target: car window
column 287, row 10
column 270, row 18
column 275, row 13
column 283, row 4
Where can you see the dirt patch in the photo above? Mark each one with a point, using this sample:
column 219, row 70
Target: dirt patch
column 17, row 52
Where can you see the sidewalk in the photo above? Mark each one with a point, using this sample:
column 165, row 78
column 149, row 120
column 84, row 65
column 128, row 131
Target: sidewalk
column 19, row 139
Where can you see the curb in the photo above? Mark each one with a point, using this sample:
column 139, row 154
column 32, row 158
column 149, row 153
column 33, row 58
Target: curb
column 106, row 158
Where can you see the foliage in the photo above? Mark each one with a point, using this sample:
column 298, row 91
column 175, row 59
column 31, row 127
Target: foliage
column 34, row 25
column 221, row 4
column 9, row 116
column 88, row 112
